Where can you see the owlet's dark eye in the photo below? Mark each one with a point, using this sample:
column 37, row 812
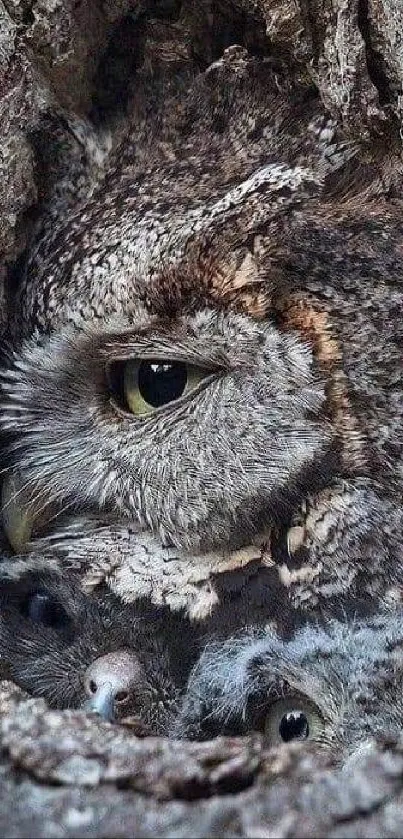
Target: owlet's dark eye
column 142, row 386
column 293, row 719
column 40, row 608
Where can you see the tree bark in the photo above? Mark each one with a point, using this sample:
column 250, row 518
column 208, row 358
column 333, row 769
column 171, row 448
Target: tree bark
column 67, row 774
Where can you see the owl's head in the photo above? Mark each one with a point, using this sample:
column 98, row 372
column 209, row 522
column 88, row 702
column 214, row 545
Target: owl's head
column 183, row 339
column 340, row 687
column 123, row 662
column 170, row 388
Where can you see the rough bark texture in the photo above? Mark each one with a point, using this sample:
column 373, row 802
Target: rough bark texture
column 63, row 774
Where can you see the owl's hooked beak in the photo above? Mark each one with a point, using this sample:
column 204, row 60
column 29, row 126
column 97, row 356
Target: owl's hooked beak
column 22, row 514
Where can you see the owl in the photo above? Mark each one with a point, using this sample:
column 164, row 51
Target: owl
column 127, row 663
column 202, row 398
column 339, row 686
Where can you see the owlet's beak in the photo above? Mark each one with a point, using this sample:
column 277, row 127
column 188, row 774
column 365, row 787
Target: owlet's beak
column 113, row 684
column 102, row 703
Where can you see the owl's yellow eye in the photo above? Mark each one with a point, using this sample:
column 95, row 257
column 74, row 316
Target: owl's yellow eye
column 140, row 386
column 293, row 718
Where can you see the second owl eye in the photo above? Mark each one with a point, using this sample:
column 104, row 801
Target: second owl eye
column 142, row 386
column 293, row 719
column 39, row 608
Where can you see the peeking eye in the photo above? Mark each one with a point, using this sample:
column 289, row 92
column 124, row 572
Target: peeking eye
column 293, row 718
column 40, row 608
column 142, row 386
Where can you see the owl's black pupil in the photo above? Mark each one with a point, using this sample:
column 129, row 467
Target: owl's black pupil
column 294, row 726
column 161, row 382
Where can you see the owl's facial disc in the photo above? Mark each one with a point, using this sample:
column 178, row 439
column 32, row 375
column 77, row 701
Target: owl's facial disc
column 198, row 431
column 138, row 387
